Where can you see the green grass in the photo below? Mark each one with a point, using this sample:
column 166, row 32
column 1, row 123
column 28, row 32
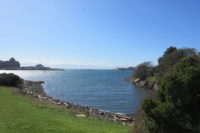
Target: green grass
column 24, row 114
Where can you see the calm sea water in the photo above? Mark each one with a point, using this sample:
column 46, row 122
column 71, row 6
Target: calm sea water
column 103, row 89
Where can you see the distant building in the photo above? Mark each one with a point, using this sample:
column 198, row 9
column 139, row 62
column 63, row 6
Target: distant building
column 11, row 64
column 39, row 66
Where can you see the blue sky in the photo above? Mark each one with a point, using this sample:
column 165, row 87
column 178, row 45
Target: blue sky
column 96, row 33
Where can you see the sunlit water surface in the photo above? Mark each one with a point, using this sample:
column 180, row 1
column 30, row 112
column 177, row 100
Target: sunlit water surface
column 103, row 89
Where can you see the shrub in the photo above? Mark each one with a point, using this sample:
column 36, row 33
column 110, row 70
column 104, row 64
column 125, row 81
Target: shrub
column 175, row 108
column 143, row 70
column 10, row 80
column 170, row 57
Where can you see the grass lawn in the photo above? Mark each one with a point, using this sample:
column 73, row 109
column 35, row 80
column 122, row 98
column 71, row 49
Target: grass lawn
column 24, row 114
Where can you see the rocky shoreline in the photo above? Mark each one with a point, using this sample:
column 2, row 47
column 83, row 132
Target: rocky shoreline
column 35, row 89
column 143, row 84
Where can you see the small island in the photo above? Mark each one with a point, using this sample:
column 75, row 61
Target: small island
column 126, row 68
column 12, row 64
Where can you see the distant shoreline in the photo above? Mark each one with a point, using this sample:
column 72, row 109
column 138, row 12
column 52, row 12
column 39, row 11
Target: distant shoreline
column 12, row 64
column 126, row 69
column 57, row 69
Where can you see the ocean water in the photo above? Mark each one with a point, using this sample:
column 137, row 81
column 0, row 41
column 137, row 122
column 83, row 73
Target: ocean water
column 103, row 89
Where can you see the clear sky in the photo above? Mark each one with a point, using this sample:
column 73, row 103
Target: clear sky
column 96, row 33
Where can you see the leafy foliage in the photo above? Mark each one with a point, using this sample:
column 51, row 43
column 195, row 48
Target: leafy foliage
column 10, row 80
column 11, row 64
column 143, row 70
column 172, row 55
column 175, row 108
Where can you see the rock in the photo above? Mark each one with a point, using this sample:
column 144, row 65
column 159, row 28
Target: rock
column 81, row 115
column 155, row 87
column 32, row 87
column 123, row 119
column 66, row 104
column 136, row 80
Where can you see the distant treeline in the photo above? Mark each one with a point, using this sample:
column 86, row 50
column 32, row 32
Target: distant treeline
column 12, row 64
column 126, row 68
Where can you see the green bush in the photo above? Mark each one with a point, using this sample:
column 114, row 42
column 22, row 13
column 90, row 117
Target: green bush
column 143, row 70
column 172, row 55
column 10, row 80
column 175, row 108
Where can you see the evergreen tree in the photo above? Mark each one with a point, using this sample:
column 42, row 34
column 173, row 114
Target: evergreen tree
column 175, row 108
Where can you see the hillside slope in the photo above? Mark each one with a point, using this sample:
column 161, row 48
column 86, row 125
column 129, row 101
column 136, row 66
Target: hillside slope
column 23, row 114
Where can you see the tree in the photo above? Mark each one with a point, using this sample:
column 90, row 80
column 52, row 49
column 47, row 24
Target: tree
column 12, row 63
column 171, row 56
column 143, row 70
column 39, row 66
column 169, row 50
column 175, row 108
